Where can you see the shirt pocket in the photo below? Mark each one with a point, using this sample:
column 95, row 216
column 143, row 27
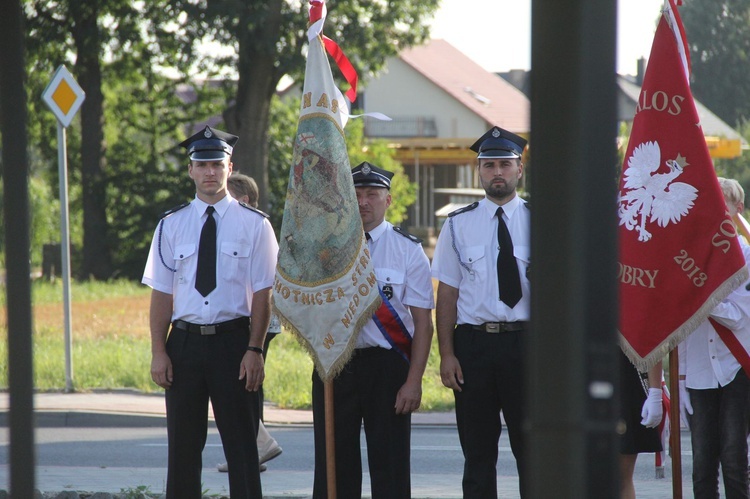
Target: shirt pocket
column 183, row 254
column 474, row 258
column 523, row 255
column 233, row 260
column 391, row 281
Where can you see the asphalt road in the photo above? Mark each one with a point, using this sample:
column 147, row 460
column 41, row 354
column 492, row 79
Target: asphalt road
column 112, row 458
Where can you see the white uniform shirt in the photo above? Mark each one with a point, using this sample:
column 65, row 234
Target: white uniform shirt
column 705, row 360
column 466, row 259
column 402, row 264
column 246, row 251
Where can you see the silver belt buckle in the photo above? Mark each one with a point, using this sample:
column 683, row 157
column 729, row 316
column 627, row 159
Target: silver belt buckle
column 492, row 327
column 208, row 329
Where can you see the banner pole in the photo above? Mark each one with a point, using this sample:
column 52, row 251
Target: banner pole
column 674, row 424
column 330, row 439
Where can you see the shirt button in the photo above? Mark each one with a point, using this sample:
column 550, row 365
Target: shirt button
column 235, row 253
column 387, row 278
column 182, row 256
column 471, row 259
column 205, row 303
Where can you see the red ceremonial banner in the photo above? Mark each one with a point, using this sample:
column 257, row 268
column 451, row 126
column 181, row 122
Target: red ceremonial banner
column 679, row 253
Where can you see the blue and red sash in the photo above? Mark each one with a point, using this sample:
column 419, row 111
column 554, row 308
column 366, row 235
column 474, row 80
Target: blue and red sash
column 393, row 329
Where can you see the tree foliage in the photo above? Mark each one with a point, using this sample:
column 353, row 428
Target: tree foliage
column 122, row 163
column 718, row 33
column 123, row 166
column 267, row 38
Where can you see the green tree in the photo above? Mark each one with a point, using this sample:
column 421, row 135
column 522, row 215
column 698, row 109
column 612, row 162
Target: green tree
column 122, row 158
column 268, row 37
column 75, row 27
column 718, row 33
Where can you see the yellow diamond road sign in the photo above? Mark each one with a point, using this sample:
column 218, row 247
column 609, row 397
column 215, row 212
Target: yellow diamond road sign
column 63, row 96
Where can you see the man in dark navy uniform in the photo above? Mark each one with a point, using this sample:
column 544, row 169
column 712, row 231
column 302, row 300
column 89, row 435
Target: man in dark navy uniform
column 211, row 267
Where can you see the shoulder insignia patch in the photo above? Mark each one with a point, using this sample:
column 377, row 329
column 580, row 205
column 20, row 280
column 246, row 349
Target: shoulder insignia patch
column 410, row 237
column 464, row 209
column 173, row 210
column 256, row 210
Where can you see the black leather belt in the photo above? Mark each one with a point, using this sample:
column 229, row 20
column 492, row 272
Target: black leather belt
column 500, row 327
column 369, row 351
column 208, row 329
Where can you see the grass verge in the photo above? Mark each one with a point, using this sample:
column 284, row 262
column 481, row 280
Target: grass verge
column 111, row 347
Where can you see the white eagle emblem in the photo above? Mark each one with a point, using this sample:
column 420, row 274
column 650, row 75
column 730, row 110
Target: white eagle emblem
column 654, row 197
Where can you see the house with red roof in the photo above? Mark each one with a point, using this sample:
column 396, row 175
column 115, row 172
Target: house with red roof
column 440, row 102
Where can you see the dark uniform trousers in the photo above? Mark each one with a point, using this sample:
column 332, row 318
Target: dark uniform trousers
column 365, row 391
column 493, row 381
column 207, row 367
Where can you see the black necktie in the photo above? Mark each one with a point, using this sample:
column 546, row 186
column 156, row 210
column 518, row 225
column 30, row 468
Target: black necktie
column 368, row 237
column 508, row 280
column 205, row 278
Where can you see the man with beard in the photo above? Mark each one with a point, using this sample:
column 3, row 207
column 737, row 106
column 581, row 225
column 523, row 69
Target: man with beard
column 481, row 262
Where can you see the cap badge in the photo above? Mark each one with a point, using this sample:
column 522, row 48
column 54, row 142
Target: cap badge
column 207, row 133
column 366, row 170
column 496, row 133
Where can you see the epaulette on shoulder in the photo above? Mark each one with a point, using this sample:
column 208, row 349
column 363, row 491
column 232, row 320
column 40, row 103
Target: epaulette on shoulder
column 410, row 237
column 464, row 209
column 173, row 210
column 256, row 210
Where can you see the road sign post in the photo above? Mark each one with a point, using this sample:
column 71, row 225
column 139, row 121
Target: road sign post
column 64, row 97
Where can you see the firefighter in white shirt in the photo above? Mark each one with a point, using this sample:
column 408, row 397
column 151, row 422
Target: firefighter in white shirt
column 211, row 266
column 714, row 388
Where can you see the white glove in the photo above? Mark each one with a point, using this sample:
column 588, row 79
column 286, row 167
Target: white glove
column 652, row 409
column 685, row 406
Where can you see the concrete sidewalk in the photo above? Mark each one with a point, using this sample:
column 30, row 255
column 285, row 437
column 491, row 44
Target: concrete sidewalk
column 135, row 409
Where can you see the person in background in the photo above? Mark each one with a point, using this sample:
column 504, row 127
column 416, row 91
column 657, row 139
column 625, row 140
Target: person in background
column 245, row 190
column 211, row 266
column 641, row 411
column 382, row 383
column 714, row 389
column 483, row 307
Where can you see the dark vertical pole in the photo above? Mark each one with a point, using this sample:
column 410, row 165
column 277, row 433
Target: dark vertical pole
column 572, row 368
column 16, row 217
column 675, row 444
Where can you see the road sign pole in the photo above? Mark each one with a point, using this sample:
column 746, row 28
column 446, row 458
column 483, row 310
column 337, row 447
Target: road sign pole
column 64, row 97
column 62, row 164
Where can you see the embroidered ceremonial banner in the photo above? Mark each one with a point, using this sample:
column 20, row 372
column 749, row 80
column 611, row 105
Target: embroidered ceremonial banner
column 325, row 288
column 679, row 253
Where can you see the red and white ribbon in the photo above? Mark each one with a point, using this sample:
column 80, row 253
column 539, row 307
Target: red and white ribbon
column 317, row 18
